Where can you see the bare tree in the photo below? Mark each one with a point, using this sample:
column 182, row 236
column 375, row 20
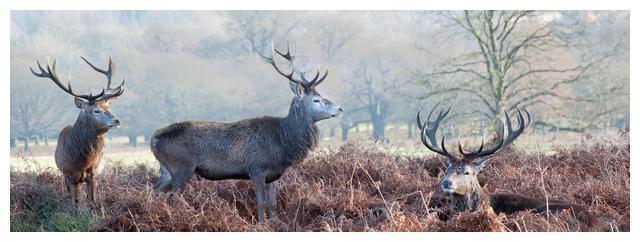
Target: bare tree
column 355, row 116
column 198, row 64
column 33, row 112
column 374, row 93
column 332, row 40
column 256, row 29
column 517, row 59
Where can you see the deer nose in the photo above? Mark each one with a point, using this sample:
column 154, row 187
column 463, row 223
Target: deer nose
column 116, row 122
column 340, row 109
column 446, row 184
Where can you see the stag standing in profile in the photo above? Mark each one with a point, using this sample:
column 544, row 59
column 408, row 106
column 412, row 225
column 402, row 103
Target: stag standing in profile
column 80, row 146
column 461, row 175
column 259, row 149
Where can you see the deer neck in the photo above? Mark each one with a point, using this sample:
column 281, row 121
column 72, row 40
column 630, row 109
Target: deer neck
column 299, row 133
column 85, row 138
column 469, row 201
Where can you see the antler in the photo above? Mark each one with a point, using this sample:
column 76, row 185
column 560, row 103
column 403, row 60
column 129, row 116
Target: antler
column 429, row 129
column 50, row 73
column 111, row 92
column 502, row 143
column 428, row 132
column 307, row 84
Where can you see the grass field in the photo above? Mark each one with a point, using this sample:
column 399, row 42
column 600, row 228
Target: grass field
column 357, row 186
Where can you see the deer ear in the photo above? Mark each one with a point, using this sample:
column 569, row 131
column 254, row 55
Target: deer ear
column 296, row 88
column 480, row 165
column 109, row 101
column 293, row 86
column 79, row 103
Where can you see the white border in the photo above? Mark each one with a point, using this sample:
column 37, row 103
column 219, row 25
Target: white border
column 291, row 5
column 319, row 5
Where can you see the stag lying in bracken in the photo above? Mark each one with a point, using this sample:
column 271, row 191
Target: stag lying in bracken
column 259, row 149
column 80, row 146
column 461, row 175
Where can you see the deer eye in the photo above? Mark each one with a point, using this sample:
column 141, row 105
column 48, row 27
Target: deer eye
column 316, row 100
column 466, row 173
column 96, row 111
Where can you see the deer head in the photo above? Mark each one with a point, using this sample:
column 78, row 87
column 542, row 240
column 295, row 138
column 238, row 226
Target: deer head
column 304, row 89
column 93, row 108
column 461, row 173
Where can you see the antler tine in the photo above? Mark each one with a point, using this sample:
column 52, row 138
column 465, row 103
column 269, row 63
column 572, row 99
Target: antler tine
column 290, row 75
column 511, row 134
column 429, row 129
column 312, row 80
column 423, row 128
column 316, row 81
column 419, row 122
column 441, row 116
column 443, row 146
column 116, row 92
column 108, row 73
column 42, row 71
column 522, row 124
column 480, row 152
column 287, row 56
column 265, row 58
column 431, row 112
column 110, row 91
column 471, row 153
column 50, row 73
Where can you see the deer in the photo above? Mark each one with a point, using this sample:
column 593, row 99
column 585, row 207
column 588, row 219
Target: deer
column 257, row 149
column 460, row 180
column 80, row 146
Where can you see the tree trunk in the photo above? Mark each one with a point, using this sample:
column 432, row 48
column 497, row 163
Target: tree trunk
column 37, row 140
column 495, row 123
column 45, row 136
column 12, row 142
column 133, row 140
column 410, row 130
column 147, row 137
column 332, row 132
column 378, row 128
column 26, row 144
column 345, row 132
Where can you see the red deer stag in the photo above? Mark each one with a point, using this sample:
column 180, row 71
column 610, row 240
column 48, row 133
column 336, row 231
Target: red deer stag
column 461, row 175
column 259, row 149
column 79, row 149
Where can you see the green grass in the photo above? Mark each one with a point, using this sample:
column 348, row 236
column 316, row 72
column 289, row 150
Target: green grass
column 50, row 212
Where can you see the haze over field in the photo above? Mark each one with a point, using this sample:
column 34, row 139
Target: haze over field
column 384, row 66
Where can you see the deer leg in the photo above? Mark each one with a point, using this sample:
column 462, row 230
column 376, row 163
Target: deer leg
column 72, row 188
column 259, row 187
column 91, row 189
column 180, row 180
column 76, row 191
column 67, row 185
column 165, row 181
column 271, row 199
